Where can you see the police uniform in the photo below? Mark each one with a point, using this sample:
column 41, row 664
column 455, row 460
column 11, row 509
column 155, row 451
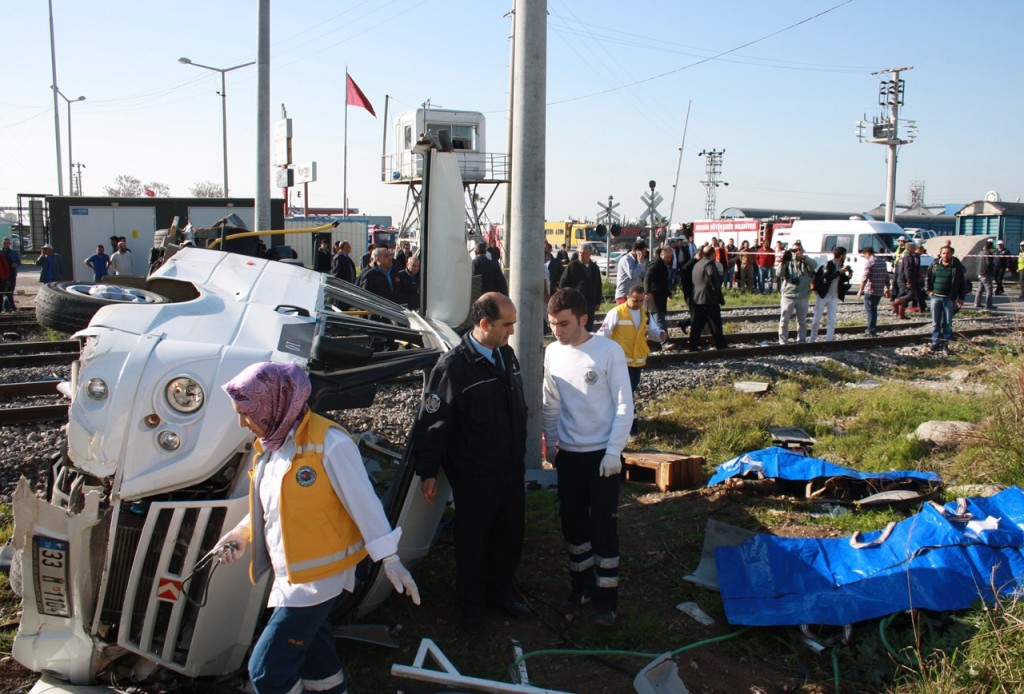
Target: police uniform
column 472, row 423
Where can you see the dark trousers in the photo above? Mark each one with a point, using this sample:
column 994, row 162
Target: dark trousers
column 634, row 385
column 707, row 315
column 489, row 522
column 588, row 507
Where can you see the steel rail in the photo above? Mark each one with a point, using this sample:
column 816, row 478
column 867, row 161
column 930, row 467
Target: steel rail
column 7, row 348
column 28, row 389
column 34, row 414
column 666, row 358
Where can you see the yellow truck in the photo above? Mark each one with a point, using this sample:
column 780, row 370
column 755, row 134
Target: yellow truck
column 573, row 233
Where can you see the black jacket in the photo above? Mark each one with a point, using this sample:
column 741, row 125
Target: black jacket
column 374, row 280
column 492, row 279
column 707, row 283
column 686, row 279
column 555, row 270
column 408, row 287
column 343, row 267
column 473, row 416
column 586, row 278
column 656, row 283
column 828, row 273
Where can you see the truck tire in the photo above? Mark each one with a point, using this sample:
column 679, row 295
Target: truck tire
column 69, row 306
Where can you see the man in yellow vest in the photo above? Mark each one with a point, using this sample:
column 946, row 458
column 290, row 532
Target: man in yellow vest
column 1020, row 269
column 631, row 326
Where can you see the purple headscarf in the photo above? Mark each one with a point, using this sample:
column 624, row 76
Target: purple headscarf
column 274, row 396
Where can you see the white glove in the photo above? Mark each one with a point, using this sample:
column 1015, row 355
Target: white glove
column 232, row 546
column 550, row 452
column 611, row 464
column 400, row 577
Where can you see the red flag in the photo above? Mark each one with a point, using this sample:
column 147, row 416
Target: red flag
column 354, row 96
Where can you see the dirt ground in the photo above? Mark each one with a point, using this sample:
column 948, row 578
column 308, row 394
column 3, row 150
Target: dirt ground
column 662, row 536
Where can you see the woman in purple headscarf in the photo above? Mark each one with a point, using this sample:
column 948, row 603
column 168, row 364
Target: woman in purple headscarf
column 320, row 517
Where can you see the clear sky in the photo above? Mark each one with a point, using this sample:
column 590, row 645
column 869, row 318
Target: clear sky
column 777, row 85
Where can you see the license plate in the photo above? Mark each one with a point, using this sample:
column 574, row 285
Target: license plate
column 51, row 576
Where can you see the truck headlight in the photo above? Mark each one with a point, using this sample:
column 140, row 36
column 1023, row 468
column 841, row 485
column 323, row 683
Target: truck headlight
column 97, row 389
column 185, row 394
column 168, row 440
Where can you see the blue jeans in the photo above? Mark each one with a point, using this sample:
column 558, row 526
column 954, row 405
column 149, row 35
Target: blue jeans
column 943, row 308
column 297, row 646
column 871, row 308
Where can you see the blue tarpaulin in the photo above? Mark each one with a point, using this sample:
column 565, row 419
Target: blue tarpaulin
column 780, row 463
column 935, row 560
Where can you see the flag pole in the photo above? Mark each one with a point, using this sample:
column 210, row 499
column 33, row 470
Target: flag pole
column 344, row 174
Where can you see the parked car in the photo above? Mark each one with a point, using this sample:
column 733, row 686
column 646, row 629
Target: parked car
column 919, row 236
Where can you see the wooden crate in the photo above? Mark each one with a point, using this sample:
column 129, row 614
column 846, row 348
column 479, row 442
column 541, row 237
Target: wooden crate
column 670, row 470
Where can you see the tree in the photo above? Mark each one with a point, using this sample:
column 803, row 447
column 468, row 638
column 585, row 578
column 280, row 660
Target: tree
column 126, row 186
column 206, row 189
column 160, row 190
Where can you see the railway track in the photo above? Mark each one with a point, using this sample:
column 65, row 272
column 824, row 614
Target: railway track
column 32, row 413
column 861, row 343
column 38, row 353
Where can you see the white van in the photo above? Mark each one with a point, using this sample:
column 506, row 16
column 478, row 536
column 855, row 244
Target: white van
column 820, row 237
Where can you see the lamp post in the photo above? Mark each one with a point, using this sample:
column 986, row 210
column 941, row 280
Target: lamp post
column 71, row 168
column 223, row 106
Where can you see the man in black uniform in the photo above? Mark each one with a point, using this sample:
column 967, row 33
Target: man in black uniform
column 584, row 276
column 491, row 277
column 472, row 423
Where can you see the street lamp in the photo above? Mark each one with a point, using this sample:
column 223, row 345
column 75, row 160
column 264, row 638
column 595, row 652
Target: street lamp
column 71, row 179
column 223, row 106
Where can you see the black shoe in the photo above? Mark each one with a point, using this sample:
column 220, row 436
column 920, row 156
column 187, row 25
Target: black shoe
column 605, row 619
column 574, row 603
column 471, row 626
column 512, row 607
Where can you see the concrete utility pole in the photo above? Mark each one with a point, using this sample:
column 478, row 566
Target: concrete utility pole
column 262, row 117
column 885, row 130
column 56, row 113
column 526, row 281
column 712, row 170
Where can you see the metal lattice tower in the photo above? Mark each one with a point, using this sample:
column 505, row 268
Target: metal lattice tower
column 917, row 194
column 713, row 170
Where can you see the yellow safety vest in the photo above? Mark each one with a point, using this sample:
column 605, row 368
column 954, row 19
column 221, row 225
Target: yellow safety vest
column 632, row 340
column 320, row 538
column 1020, row 262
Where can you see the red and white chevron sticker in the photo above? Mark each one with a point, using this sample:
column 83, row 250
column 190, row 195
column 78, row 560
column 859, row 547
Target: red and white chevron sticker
column 168, row 589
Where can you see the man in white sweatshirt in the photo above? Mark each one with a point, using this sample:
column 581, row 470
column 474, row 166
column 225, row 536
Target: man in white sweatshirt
column 587, row 413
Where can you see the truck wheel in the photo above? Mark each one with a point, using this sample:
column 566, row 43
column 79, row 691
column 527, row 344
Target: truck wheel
column 69, row 306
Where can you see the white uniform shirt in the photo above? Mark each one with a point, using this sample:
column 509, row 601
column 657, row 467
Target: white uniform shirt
column 344, row 466
column 588, row 402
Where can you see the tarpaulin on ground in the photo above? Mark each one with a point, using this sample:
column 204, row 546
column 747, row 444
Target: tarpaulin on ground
column 780, row 463
column 943, row 558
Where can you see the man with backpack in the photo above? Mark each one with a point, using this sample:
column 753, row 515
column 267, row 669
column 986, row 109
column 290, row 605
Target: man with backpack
column 831, row 282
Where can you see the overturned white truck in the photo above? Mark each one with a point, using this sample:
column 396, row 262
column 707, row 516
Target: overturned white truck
column 156, row 465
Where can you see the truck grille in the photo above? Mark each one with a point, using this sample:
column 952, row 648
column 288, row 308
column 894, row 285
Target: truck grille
column 158, row 546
